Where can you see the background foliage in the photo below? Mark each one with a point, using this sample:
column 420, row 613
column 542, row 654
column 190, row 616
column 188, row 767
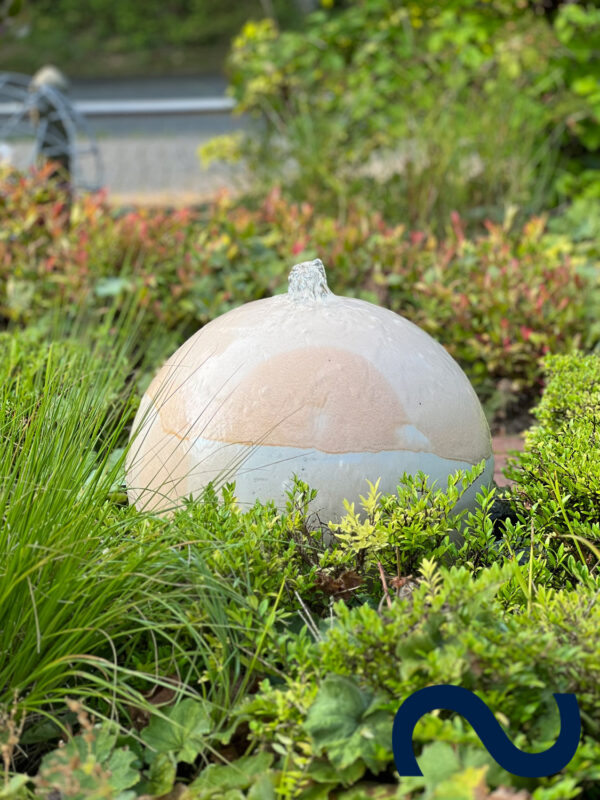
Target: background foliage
column 122, row 37
column 421, row 109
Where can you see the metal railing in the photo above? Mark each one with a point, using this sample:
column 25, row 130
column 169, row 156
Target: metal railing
column 126, row 108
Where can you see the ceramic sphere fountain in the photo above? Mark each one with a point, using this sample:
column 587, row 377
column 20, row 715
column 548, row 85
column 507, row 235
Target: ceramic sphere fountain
column 333, row 389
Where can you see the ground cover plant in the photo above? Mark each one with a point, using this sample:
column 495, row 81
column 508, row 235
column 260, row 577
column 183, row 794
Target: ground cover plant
column 498, row 300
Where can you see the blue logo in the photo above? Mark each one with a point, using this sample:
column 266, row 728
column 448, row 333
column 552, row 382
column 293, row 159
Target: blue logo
column 493, row 738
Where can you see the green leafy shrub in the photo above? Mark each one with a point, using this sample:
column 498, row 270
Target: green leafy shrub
column 558, row 476
column 422, row 109
column 126, row 38
column 400, row 530
column 447, row 105
column 329, row 725
column 577, row 29
column 263, row 551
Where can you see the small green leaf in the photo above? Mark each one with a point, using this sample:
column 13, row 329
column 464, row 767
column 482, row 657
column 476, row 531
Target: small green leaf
column 161, row 776
column 337, row 710
column 12, row 789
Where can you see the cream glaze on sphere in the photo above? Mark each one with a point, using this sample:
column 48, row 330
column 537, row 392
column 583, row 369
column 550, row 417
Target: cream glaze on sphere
column 333, row 389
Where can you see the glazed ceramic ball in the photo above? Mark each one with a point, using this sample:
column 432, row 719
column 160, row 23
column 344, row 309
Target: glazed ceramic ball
column 332, row 389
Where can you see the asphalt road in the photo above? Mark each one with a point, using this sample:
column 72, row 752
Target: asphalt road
column 125, row 88
column 154, row 158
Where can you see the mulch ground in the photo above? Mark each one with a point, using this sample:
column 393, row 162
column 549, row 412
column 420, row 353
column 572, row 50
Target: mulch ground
column 504, row 445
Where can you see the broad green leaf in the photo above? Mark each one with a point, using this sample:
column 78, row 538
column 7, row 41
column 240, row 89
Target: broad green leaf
column 182, row 733
column 337, row 711
column 371, row 742
column 15, row 788
column 161, row 775
column 239, row 774
column 119, row 766
column 343, row 722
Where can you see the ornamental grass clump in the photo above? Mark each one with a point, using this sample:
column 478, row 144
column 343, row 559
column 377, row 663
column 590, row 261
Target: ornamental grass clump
column 99, row 605
column 69, row 573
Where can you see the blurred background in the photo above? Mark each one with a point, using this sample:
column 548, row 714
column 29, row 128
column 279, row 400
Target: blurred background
column 419, row 108
column 117, row 54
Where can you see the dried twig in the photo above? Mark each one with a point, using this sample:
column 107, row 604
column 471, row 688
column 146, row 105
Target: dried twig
column 306, row 617
column 384, row 584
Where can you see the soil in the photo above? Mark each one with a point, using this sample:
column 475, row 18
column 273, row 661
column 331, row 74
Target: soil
column 508, row 437
column 504, row 445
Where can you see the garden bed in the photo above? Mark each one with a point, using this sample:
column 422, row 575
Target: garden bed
column 231, row 653
column 197, row 656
